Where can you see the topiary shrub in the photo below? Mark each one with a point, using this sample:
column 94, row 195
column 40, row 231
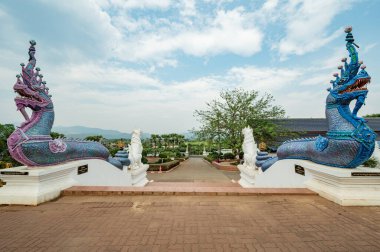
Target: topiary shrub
column 163, row 160
column 113, row 151
column 214, row 155
column 372, row 162
column 163, row 155
column 144, row 160
column 229, row 155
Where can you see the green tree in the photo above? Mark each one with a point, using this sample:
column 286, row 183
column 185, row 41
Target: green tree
column 224, row 118
column 372, row 115
column 56, row 135
column 5, row 131
column 96, row 138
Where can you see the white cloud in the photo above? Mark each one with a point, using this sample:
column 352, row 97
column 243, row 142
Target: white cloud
column 319, row 79
column 262, row 78
column 228, row 32
column 188, row 8
column 334, row 59
column 105, row 76
column 303, row 104
column 92, row 96
column 139, row 4
column 98, row 78
column 306, row 25
column 270, row 5
column 369, row 47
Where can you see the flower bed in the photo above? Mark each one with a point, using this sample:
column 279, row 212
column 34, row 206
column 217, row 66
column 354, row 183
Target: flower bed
column 164, row 166
column 152, row 160
column 225, row 166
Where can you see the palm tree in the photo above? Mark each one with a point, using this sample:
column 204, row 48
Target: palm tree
column 172, row 137
column 165, row 138
column 181, row 139
column 154, row 138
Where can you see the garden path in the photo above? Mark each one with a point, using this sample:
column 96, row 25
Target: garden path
column 195, row 169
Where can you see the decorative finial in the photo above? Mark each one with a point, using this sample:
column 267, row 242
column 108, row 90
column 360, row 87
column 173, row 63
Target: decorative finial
column 344, row 59
column 363, row 67
column 349, row 36
column 335, row 74
column 32, row 42
column 38, row 69
column 22, row 64
column 18, row 76
column 348, row 29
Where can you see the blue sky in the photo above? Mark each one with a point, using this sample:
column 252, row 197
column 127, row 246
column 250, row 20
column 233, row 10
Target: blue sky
column 126, row 64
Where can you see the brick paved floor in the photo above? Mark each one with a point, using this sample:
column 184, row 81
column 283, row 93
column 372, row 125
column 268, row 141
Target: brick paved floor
column 195, row 170
column 190, row 223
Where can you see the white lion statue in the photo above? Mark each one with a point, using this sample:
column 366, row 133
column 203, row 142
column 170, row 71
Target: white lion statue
column 135, row 149
column 249, row 147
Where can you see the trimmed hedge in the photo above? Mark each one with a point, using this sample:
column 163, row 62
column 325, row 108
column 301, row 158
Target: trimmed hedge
column 372, row 163
column 164, row 166
column 182, row 159
column 209, row 159
column 229, row 155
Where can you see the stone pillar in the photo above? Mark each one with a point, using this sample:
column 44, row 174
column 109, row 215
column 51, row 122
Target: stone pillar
column 187, row 150
column 205, row 153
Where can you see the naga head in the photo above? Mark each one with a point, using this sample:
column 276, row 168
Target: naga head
column 31, row 89
column 351, row 84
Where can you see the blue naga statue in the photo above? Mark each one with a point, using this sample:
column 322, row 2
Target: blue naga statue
column 31, row 144
column 349, row 141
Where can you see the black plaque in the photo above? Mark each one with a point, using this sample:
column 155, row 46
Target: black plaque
column 299, row 169
column 14, row 173
column 82, row 169
column 365, row 174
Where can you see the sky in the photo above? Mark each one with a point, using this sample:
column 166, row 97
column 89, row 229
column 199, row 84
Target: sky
column 127, row 64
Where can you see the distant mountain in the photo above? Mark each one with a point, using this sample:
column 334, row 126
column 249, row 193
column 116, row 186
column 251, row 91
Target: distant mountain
column 82, row 132
column 188, row 135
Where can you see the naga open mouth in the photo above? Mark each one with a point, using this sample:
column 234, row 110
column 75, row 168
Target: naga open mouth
column 29, row 99
column 359, row 85
column 25, row 94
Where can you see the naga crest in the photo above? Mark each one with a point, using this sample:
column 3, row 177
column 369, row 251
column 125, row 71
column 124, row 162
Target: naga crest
column 31, row 89
column 351, row 83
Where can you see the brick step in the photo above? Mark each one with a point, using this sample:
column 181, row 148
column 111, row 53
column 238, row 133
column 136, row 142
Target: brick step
column 193, row 184
column 173, row 188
